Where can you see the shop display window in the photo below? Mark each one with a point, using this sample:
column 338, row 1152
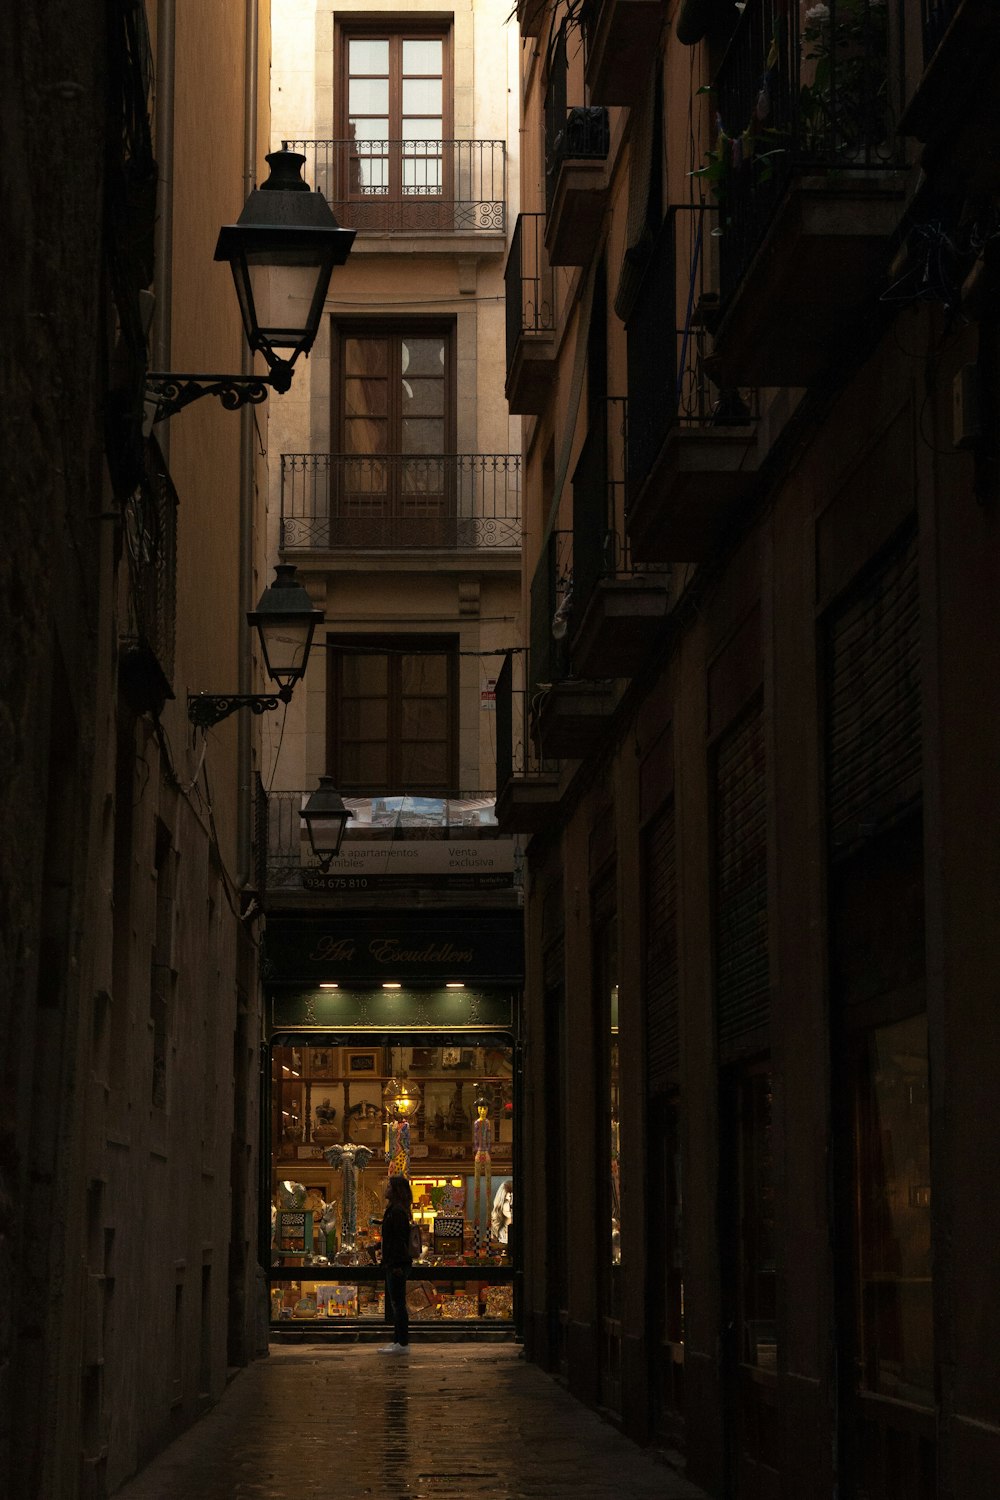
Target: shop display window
column 342, row 1118
column 427, row 1301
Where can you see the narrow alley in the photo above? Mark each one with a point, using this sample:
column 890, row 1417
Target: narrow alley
column 457, row 1420
column 499, row 749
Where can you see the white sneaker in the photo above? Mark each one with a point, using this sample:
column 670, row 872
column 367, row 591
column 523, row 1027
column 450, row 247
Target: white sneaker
column 394, row 1349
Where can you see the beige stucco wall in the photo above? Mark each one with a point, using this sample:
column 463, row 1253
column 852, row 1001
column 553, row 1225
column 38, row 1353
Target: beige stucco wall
column 457, row 276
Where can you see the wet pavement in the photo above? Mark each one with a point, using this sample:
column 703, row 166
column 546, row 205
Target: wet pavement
column 446, row 1420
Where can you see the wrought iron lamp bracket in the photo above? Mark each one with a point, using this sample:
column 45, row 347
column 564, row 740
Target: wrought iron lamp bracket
column 171, row 393
column 205, row 710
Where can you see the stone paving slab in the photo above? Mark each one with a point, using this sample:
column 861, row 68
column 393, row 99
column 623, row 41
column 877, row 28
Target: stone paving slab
column 448, row 1421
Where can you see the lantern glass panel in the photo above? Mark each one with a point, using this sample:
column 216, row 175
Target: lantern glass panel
column 286, row 646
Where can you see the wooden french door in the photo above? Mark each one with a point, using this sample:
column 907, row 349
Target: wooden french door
column 395, row 433
column 395, row 118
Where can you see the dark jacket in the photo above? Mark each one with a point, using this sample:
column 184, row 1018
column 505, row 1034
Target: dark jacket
column 396, row 1237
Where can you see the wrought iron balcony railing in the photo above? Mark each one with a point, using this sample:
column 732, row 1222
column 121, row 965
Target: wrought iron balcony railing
column 150, row 523
column 571, row 133
column 516, row 752
column 530, row 294
column 601, row 548
column 447, row 187
column 800, row 89
column 669, row 345
column 551, row 606
column 397, row 501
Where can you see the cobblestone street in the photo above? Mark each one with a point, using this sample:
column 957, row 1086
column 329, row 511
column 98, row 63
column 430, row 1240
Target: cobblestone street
column 446, row 1420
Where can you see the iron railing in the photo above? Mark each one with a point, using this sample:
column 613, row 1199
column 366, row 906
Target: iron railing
column 398, row 501
column 529, row 290
column 601, row 548
column 571, row 132
column 516, row 754
column 457, row 187
column 378, row 818
column 551, row 604
column 669, row 344
column 799, row 89
column 150, row 525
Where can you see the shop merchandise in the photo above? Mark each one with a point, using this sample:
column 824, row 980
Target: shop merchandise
column 398, row 1148
column 352, row 1160
column 482, row 1136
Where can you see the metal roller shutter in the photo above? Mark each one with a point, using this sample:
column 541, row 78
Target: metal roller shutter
column 742, row 977
column 873, row 744
column 662, row 974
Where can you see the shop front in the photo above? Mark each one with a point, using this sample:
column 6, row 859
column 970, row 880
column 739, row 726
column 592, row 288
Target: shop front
column 394, row 1048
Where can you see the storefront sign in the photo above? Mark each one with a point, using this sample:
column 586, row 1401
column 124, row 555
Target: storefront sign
column 404, row 948
column 367, row 864
column 375, row 1009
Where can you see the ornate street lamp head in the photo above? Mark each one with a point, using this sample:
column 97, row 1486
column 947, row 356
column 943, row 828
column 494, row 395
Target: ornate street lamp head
column 283, row 225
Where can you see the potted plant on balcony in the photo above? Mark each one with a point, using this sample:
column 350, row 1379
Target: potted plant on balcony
column 843, row 81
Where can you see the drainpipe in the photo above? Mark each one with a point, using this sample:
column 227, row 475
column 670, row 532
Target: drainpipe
column 163, row 122
column 244, row 809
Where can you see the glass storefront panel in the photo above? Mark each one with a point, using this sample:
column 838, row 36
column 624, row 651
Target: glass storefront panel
column 441, row 1114
column 428, row 1301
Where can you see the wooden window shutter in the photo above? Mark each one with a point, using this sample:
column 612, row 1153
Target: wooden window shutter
column 873, row 703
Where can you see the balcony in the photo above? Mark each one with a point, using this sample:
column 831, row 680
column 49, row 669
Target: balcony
column 391, row 842
column 692, row 454
column 616, row 604
column 527, row 788
column 464, row 502
column 531, row 322
column 576, row 148
column 429, row 187
column 807, row 173
column 569, row 713
column 621, row 38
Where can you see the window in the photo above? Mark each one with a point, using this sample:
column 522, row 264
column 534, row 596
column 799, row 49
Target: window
column 393, row 715
column 394, row 483
column 395, row 390
column 330, row 1119
column 394, row 115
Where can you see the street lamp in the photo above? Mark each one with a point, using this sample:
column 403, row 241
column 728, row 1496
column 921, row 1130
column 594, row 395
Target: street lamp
column 325, row 817
column 285, row 620
column 284, row 226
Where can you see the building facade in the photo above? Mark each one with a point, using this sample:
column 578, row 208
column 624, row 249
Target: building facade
column 128, row 1001
column 395, row 489
column 750, row 328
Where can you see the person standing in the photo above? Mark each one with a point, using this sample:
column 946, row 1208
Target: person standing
column 396, row 1260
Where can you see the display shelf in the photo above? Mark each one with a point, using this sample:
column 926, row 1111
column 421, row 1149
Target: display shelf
column 419, row 1272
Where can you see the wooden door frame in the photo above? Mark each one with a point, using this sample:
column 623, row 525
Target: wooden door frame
column 396, row 28
column 355, row 327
